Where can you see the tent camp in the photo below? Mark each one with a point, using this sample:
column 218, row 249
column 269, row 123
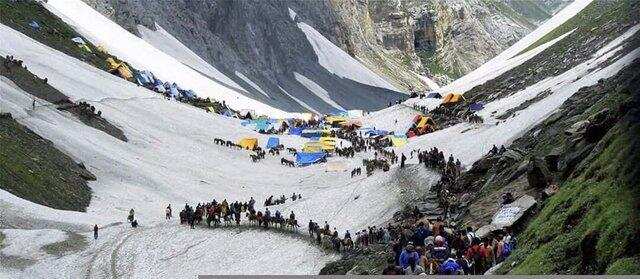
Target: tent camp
column 373, row 133
column 476, row 106
column 273, row 142
column 307, row 158
column 421, row 125
column 248, row 143
column 398, row 141
column 336, row 166
column 452, row 99
column 335, row 120
column 119, row 68
column 328, row 144
column 312, row 147
column 295, row 131
column 435, row 95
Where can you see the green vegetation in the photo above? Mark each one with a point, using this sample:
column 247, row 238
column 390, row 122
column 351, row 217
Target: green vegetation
column 621, row 11
column 33, row 169
column 592, row 225
column 430, row 61
column 53, row 32
column 625, row 266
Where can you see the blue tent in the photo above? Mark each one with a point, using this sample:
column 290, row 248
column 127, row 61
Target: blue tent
column 303, row 159
column 34, row 24
column 262, row 124
column 273, row 142
column 295, row 131
column 377, row 133
column 476, row 106
column 434, row 95
column 311, row 134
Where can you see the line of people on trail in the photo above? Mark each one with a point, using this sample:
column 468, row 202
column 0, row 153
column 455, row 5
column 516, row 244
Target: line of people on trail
column 435, row 248
column 281, row 200
column 216, row 213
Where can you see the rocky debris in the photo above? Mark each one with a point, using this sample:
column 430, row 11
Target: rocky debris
column 508, row 215
column 536, row 176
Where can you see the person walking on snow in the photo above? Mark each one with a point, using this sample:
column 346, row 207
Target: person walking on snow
column 168, row 212
column 95, row 232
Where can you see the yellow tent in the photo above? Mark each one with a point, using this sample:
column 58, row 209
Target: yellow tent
column 335, row 120
column 312, row 147
column 211, row 110
column 425, row 121
column 398, row 141
column 121, row 68
column 328, row 143
column 452, row 98
column 248, row 143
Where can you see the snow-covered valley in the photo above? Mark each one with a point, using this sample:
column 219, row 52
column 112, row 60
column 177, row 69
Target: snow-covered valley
column 171, row 158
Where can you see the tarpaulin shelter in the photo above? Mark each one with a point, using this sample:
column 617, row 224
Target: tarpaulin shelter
column 307, row 158
column 476, row 106
column 227, row 113
column 328, row 143
column 452, row 98
column 262, row 124
column 311, row 133
column 248, row 143
column 398, row 141
column 273, row 142
column 435, row 95
column 335, row 120
column 295, row 131
column 312, row 147
column 372, row 133
column 34, row 24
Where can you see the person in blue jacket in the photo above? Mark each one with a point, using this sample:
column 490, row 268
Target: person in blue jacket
column 450, row 267
column 408, row 252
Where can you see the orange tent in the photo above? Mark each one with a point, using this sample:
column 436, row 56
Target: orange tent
column 452, row 98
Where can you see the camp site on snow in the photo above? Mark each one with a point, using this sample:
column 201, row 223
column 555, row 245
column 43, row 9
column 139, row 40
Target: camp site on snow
column 178, row 139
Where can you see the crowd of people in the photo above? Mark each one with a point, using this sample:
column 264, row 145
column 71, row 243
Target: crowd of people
column 281, row 200
column 436, row 248
column 217, row 213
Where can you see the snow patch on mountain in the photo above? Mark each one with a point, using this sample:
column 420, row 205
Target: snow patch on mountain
column 250, row 82
column 142, row 55
column 338, row 62
column 317, row 89
column 164, row 41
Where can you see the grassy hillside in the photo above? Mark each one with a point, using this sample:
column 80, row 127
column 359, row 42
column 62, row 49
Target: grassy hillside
column 33, row 169
column 597, row 13
column 592, row 225
column 53, row 32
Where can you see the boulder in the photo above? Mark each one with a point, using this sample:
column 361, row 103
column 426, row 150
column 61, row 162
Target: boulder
column 535, row 175
column 551, row 160
column 577, row 128
column 510, row 214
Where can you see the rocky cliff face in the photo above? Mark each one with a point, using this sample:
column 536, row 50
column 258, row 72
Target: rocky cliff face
column 440, row 39
column 283, row 52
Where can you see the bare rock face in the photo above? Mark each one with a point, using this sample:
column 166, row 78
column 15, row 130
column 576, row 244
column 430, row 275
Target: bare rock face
column 400, row 41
